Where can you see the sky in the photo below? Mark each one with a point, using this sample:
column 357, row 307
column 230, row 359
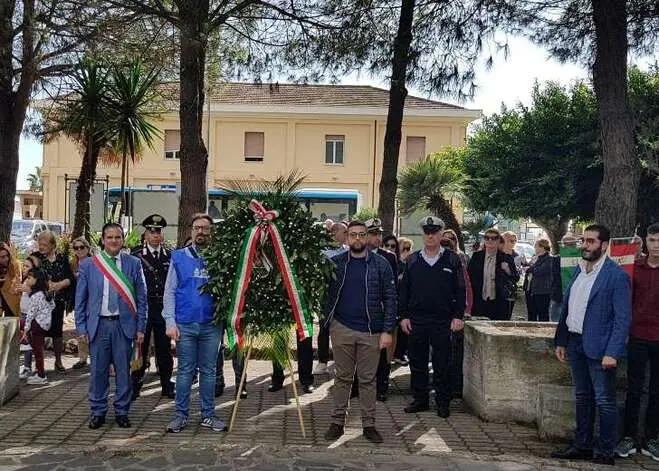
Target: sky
column 508, row 81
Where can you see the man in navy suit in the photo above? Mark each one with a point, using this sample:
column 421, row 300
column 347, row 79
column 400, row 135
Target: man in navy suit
column 110, row 313
column 591, row 335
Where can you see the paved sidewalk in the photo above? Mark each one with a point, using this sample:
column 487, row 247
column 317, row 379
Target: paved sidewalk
column 48, row 424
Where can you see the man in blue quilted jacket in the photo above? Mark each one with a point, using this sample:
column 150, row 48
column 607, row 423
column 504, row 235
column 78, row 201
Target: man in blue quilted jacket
column 361, row 310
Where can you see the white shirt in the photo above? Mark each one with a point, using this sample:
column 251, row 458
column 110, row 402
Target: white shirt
column 580, row 294
column 431, row 260
column 106, row 290
column 153, row 250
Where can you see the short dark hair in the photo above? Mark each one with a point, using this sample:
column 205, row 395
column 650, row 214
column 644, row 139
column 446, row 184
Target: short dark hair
column 653, row 228
column 603, row 232
column 110, row 225
column 356, row 223
column 198, row 216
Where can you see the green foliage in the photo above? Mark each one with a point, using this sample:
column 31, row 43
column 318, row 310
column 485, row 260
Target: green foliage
column 34, row 180
column 267, row 308
column 133, row 239
column 364, row 214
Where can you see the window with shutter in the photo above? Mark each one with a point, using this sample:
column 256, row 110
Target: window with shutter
column 334, row 149
column 254, row 146
column 172, row 143
column 416, row 149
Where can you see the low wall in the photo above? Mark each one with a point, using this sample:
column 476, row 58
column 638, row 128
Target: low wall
column 504, row 362
column 9, row 340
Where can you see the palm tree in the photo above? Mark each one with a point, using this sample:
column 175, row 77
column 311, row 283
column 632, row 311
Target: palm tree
column 34, row 180
column 132, row 105
column 429, row 184
column 83, row 117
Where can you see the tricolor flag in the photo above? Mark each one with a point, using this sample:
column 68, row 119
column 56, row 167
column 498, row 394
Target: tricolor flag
column 570, row 257
column 623, row 252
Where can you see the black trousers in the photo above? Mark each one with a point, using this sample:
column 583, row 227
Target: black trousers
column 323, row 342
column 496, row 310
column 538, row 308
column 155, row 325
column 401, row 344
column 641, row 353
column 304, row 364
column 238, row 363
column 455, row 368
column 424, row 336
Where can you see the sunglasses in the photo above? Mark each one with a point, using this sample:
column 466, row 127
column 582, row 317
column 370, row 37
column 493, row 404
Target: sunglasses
column 390, row 246
column 406, row 249
column 79, row 247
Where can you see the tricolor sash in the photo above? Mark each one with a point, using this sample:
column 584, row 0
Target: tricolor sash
column 117, row 279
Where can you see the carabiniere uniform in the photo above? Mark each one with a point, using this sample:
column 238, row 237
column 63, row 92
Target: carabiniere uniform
column 155, row 265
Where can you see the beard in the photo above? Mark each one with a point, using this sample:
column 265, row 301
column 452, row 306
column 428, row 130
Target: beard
column 591, row 256
column 357, row 247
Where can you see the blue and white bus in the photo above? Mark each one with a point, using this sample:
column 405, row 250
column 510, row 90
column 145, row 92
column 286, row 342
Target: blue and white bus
column 324, row 203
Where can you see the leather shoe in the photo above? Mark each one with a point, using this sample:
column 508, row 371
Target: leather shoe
column 415, row 407
column 96, row 421
column 605, row 460
column 274, row 387
column 169, row 391
column 219, row 390
column 443, row 410
column 372, row 435
column 573, row 453
column 308, row 388
column 122, row 421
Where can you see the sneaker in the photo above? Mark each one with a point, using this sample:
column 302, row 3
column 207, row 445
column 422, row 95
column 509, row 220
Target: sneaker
column 25, row 374
column 652, row 449
column 333, row 432
column 36, row 379
column 178, row 424
column 372, row 435
column 320, row 369
column 626, row 447
column 400, row 361
column 214, row 424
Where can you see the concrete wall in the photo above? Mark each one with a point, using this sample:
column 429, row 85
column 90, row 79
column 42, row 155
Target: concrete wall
column 9, row 341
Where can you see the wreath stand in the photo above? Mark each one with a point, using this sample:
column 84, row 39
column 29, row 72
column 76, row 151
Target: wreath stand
column 241, row 386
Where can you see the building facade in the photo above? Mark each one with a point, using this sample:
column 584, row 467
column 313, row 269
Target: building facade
column 332, row 134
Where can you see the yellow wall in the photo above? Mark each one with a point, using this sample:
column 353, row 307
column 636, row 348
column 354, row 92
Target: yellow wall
column 292, row 141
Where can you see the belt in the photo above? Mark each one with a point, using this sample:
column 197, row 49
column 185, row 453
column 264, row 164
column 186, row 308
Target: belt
column 574, row 334
column 111, row 318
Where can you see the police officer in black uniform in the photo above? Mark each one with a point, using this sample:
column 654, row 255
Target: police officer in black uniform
column 431, row 305
column 155, row 264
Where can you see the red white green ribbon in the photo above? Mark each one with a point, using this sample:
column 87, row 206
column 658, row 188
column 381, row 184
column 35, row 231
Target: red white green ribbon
column 117, row 279
column 264, row 229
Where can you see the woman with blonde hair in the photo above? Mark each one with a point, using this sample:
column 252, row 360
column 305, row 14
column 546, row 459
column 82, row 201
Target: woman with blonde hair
column 81, row 250
column 10, row 278
column 57, row 267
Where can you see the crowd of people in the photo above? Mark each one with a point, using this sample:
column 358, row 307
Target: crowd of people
column 386, row 305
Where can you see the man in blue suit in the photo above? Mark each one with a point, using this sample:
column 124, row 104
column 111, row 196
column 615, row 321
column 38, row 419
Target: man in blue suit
column 591, row 335
column 110, row 313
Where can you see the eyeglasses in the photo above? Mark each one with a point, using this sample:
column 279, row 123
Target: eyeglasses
column 201, row 228
column 492, row 238
column 357, row 235
column 390, row 246
column 79, row 247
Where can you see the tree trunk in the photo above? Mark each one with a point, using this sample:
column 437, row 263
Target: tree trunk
column 193, row 153
column 392, row 136
column 81, row 221
column 122, row 210
column 617, row 200
column 10, row 133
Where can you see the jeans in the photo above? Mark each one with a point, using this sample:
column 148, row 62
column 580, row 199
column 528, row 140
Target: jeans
column 642, row 352
column 424, row 336
column 555, row 309
column 594, row 387
column 197, row 347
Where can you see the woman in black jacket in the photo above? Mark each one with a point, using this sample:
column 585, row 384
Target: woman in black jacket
column 539, row 282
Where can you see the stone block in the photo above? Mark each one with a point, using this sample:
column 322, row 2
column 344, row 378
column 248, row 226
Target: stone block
column 504, row 362
column 555, row 414
column 9, row 352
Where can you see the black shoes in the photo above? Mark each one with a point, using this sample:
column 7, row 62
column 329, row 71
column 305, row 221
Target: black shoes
column 372, row 435
column 415, row 407
column 333, row 432
column 274, row 387
column 122, row 421
column 308, row 388
column 605, row 460
column 96, row 421
column 219, row 390
column 79, row 364
column 443, row 410
column 169, row 391
column 381, row 397
column 573, row 453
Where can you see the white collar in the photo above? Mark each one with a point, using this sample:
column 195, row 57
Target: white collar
column 153, row 249
column 439, row 254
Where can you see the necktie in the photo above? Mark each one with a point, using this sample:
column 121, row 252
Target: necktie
column 156, row 255
column 113, row 296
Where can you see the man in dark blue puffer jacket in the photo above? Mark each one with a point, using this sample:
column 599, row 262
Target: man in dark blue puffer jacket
column 361, row 307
